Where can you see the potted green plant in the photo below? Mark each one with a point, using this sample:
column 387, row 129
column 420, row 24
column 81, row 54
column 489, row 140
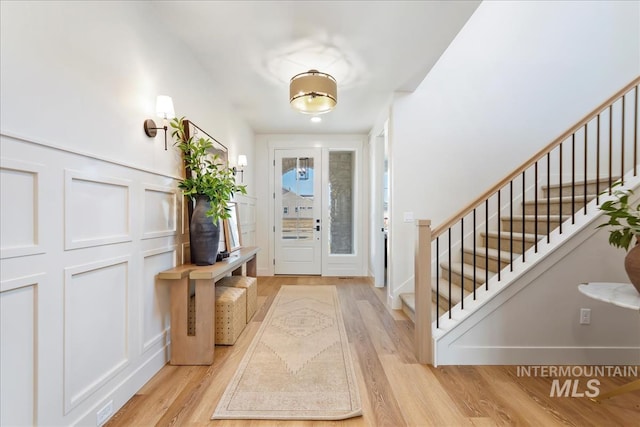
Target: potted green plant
column 211, row 184
column 624, row 224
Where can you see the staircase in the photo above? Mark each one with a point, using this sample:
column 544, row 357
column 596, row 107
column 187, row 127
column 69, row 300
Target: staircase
column 496, row 251
column 501, row 232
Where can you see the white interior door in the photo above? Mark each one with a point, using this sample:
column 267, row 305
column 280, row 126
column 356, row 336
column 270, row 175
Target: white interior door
column 298, row 179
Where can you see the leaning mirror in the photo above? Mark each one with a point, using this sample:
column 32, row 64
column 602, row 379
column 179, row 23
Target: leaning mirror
column 232, row 229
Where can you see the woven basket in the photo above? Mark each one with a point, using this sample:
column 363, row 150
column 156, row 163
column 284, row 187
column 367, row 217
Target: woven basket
column 245, row 282
column 231, row 314
column 231, row 309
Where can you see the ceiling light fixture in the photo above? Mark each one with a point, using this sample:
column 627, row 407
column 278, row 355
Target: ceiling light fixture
column 316, row 119
column 313, row 92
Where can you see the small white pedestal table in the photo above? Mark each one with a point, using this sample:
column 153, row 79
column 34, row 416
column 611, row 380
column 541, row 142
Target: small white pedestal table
column 623, row 295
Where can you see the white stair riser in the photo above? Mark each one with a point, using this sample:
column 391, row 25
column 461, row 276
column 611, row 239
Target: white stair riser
column 530, row 225
column 505, row 243
column 554, row 191
column 554, row 207
column 457, row 278
column 481, row 261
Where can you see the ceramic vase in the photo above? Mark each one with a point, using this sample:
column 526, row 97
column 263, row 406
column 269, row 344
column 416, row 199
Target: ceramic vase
column 632, row 266
column 204, row 235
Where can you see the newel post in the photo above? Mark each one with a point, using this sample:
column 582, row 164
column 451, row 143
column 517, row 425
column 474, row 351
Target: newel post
column 422, row 274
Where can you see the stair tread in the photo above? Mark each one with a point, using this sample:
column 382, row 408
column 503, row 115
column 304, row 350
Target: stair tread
column 409, row 299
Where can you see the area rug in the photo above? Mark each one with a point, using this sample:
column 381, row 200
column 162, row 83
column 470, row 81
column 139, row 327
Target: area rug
column 298, row 366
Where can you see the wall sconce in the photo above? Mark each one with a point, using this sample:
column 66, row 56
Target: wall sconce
column 164, row 109
column 242, row 162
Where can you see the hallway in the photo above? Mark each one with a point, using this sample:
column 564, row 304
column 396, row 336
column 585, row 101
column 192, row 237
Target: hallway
column 395, row 391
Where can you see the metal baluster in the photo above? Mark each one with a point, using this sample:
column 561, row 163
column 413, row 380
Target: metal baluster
column 585, row 168
column 635, row 135
column 437, row 282
column 449, row 294
column 610, row 146
column 548, row 196
column 510, row 226
column 535, row 210
column 499, row 238
column 622, row 132
column 486, row 244
column 598, row 159
column 573, row 178
column 523, row 211
column 561, row 192
column 474, row 254
column 462, row 263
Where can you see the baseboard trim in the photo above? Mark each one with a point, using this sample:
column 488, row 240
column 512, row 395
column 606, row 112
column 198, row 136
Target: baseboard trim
column 128, row 387
column 472, row 355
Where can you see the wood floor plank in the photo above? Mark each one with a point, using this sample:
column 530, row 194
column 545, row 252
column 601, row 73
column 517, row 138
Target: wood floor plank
column 422, row 400
column 384, row 405
column 379, row 337
column 395, row 391
column 528, row 408
column 467, row 389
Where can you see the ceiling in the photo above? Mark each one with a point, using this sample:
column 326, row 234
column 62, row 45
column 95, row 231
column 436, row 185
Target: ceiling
column 251, row 49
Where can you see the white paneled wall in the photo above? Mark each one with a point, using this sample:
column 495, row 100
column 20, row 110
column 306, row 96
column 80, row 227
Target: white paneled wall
column 18, row 326
column 83, row 319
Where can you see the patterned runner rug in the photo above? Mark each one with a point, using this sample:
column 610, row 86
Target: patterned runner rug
column 298, row 366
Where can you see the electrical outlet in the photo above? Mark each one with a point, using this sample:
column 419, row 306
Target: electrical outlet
column 585, row 316
column 103, row 414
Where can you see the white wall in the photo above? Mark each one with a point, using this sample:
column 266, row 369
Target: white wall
column 85, row 75
column 516, row 76
column 90, row 211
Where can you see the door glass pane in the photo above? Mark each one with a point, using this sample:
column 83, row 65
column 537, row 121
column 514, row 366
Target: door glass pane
column 341, row 171
column 297, row 198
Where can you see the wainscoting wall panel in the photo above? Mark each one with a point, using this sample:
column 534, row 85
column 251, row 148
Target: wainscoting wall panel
column 160, row 212
column 20, row 199
column 95, row 327
column 155, row 301
column 18, row 329
column 97, row 210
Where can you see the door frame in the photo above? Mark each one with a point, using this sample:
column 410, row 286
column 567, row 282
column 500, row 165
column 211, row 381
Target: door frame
column 332, row 265
column 376, row 228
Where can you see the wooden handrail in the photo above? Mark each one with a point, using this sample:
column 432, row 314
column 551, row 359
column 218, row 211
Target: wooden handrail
column 540, row 154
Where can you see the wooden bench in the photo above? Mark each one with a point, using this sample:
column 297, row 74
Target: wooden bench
column 198, row 349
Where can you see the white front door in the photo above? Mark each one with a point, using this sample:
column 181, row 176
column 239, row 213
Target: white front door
column 298, row 235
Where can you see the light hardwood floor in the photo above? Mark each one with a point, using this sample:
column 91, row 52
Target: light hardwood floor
column 395, row 390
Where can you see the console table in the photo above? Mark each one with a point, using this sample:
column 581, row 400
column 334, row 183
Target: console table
column 198, row 349
column 623, row 295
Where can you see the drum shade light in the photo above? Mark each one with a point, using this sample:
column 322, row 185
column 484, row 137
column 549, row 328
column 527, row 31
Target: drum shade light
column 313, row 92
